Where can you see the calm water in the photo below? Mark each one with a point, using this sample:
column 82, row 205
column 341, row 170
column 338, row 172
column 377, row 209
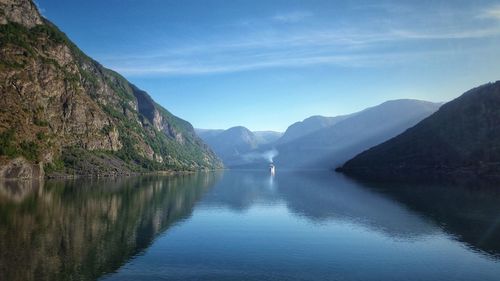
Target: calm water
column 243, row 225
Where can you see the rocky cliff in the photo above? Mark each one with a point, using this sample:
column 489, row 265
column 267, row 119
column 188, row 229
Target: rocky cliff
column 61, row 108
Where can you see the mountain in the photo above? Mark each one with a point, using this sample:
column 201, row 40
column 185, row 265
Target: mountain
column 238, row 147
column 231, row 145
column 308, row 126
column 63, row 113
column 267, row 137
column 207, row 133
column 330, row 146
column 261, row 137
column 460, row 140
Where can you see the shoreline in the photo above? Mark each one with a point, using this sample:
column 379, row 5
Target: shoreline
column 56, row 176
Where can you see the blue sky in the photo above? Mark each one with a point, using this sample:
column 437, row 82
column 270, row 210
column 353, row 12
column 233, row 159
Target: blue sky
column 267, row 64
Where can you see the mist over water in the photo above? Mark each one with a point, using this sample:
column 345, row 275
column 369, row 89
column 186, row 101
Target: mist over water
column 267, row 155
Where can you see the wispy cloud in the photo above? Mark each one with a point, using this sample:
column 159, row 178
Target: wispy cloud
column 394, row 8
column 342, row 39
column 492, row 12
column 185, row 68
column 237, row 62
column 300, row 47
column 292, row 17
column 448, row 34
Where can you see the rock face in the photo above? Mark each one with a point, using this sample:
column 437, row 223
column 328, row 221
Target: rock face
column 63, row 109
column 460, row 140
column 21, row 12
column 340, row 139
column 20, row 168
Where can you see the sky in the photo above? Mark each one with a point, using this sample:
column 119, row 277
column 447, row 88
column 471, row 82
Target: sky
column 267, row 64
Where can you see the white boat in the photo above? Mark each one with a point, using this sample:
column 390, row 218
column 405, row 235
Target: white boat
column 272, row 169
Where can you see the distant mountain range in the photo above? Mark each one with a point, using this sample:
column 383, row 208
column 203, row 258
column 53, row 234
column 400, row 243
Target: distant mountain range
column 308, row 126
column 317, row 142
column 330, row 142
column 238, row 146
column 461, row 140
column 63, row 113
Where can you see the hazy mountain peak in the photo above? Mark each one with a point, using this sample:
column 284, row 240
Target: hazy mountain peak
column 323, row 147
column 460, row 139
column 308, row 126
column 239, row 129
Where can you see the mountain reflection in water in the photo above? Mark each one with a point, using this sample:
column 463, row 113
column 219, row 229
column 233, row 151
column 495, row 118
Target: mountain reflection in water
column 80, row 230
column 247, row 225
column 469, row 213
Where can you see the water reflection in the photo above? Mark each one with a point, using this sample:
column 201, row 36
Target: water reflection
column 17, row 191
column 79, row 230
column 471, row 212
column 240, row 190
column 320, row 197
column 471, row 215
column 312, row 226
column 244, row 223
